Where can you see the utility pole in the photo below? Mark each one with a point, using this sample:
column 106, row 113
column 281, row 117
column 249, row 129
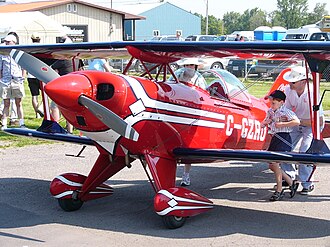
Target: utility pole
column 207, row 18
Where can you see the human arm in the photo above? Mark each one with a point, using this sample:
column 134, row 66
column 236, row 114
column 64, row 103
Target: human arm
column 107, row 67
column 290, row 123
column 267, row 120
column 307, row 122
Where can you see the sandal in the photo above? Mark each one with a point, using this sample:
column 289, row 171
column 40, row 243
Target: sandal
column 276, row 196
column 293, row 188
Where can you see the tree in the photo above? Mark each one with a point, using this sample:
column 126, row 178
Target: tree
column 317, row 14
column 231, row 21
column 275, row 19
column 251, row 19
column 215, row 26
column 293, row 12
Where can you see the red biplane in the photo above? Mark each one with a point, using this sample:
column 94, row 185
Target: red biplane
column 162, row 122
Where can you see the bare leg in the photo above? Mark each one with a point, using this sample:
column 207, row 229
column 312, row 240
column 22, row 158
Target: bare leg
column 187, row 168
column 5, row 112
column 275, row 167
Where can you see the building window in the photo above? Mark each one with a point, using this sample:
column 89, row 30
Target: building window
column 155, row 33
column 71, row 7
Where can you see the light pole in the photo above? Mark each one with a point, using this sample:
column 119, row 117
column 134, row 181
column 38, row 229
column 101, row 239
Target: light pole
column 207, row 18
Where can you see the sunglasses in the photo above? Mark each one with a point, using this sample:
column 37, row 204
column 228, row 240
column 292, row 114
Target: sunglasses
column 294, row 82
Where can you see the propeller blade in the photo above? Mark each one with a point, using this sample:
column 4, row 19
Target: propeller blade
column 109, row 118
column 34, row 66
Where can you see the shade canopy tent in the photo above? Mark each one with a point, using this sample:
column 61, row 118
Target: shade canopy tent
column 27, row 23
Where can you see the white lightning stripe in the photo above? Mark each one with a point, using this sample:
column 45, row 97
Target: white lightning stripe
column 109, row 136
column 68, row 182
column 182, row 199
column 168, row 210
column 65, row 193
column 173, row 119
column 148, row 102
column 238, row 126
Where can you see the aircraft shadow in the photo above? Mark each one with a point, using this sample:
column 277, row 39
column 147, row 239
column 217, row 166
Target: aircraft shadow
column 130, row 210
column 226, row 183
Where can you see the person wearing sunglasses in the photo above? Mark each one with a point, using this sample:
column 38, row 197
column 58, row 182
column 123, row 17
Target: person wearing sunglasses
column 299, row 102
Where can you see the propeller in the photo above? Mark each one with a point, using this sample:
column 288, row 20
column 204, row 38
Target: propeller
column 34, row 66
column 109, row 118
column 45, row 73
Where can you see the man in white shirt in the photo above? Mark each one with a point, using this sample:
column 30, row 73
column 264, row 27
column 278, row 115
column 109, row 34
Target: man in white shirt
column 299, row 102
column 11, row 84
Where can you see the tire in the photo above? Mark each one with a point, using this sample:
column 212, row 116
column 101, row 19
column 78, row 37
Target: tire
column 216, row 65
column 69, row 205
column 174, row 66
column 173, row 222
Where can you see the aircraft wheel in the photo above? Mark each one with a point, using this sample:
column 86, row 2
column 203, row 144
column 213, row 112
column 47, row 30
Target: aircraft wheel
column 70, row 204
column 173, row 222
column 216, row 65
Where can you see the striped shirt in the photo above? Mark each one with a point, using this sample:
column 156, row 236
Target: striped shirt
column 282, row 114
column 10, row 70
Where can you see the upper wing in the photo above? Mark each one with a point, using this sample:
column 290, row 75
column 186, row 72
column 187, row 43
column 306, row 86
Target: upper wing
column 157, row 52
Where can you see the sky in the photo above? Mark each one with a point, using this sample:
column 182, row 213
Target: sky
column 216, row 8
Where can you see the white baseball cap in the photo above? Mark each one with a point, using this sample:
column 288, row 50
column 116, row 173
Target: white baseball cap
column 191, row 60
column 10, row 37
column 297, row 73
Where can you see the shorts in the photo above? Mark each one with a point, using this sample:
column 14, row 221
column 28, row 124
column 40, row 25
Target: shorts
column 15, row 90
column 34, row 85
column 281, row 142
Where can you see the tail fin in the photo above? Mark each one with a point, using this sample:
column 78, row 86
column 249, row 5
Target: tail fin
column 279, row 83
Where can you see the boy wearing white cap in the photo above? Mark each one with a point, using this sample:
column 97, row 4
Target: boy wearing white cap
column 11, row 84
column 298, row 101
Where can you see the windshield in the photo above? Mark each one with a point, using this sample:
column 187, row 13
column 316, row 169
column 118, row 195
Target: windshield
column 232, row 86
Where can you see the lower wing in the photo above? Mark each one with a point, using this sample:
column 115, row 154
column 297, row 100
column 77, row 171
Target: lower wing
column 318, row 155
column 50, row 130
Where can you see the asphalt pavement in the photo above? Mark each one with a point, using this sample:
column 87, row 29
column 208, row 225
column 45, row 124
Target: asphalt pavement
column 242, row 215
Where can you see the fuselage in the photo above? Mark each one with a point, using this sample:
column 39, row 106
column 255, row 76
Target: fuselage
column 165, row 114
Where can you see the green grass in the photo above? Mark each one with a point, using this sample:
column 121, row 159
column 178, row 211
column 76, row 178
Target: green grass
column 31, row 121
column 258, row 89
column 261, row 88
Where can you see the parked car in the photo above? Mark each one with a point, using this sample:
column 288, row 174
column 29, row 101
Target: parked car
column 241, row 67
column 214, row 63
column 167, row 38
column 201, row 38
column 273, row 68
column 118, row 64
column 138, row 67
column 226, row 38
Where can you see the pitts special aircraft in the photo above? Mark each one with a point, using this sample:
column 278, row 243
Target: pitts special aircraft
column 162, row 122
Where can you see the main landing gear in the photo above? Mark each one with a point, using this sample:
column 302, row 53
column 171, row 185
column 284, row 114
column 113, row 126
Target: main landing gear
column 173, row 222
column 70, row 204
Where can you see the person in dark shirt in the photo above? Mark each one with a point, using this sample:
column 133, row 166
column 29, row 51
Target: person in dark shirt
column 62, row 67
